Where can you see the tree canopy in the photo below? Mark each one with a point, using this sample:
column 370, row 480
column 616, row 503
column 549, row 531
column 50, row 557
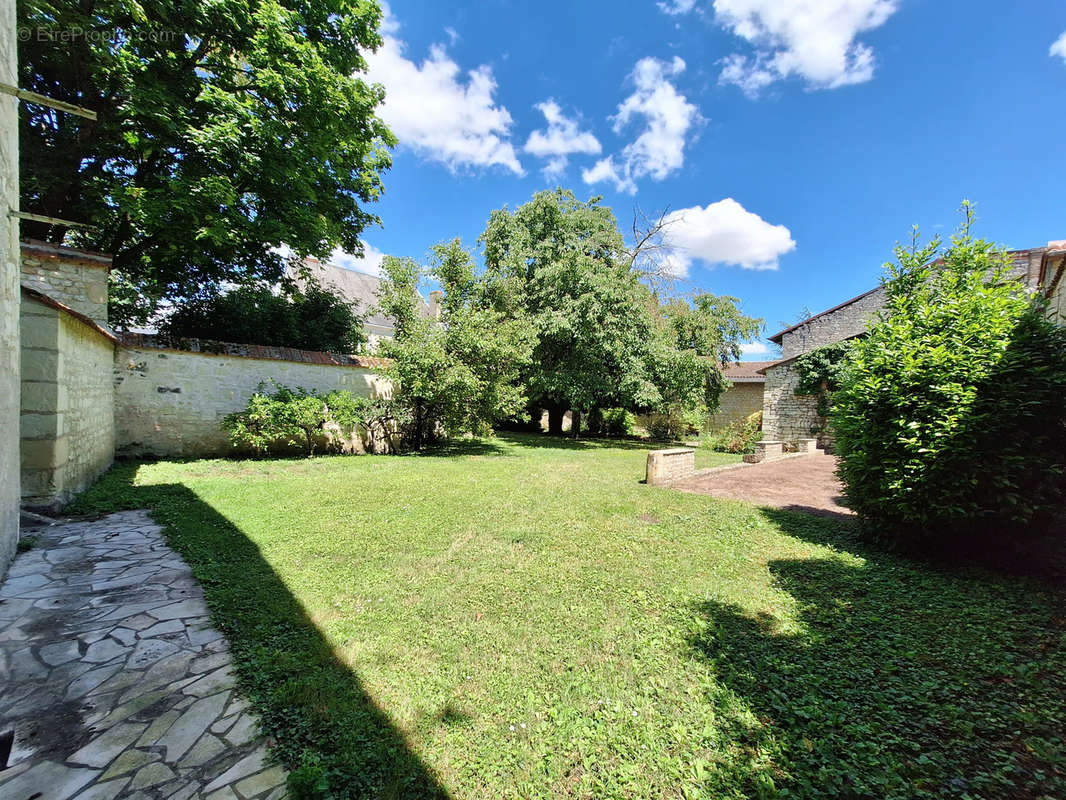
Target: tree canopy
column 311, row 318
column 459, row 374
column 602, row 337
column 224, row 130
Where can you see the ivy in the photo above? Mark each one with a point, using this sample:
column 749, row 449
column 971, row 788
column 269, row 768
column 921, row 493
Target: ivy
column 821, row 372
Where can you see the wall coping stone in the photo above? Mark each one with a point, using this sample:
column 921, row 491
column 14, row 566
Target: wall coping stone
column 57, row 252
column 209, row 347
column 41, row 297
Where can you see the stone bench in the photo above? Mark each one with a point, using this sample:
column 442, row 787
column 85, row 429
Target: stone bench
column 667, row 466
column 773, row 450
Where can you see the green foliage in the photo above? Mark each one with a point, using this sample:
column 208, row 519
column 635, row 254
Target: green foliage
column 820, row 372
column 711, row 325
column 395, row 621
column 460, row 374
column 738, row 436
column 602, row 338
column 950, row 414
column 610, row 422
column 560, row 263
column 276, row 421
column 312, row 318
column 224, row 130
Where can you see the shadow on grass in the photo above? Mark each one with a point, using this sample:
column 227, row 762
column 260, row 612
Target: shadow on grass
column 565, row 442
column 894, row 680
column 328, row 731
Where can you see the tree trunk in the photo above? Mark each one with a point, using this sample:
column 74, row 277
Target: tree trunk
column 555, row 420
column 575, row 423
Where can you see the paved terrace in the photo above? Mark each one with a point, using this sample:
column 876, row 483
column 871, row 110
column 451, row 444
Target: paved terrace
column 115, row 683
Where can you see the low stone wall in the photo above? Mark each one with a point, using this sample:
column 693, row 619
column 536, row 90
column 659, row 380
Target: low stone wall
column 67, row 425
column 667, row 466
column 739, row 402
column 170, row 401
column 787, row 415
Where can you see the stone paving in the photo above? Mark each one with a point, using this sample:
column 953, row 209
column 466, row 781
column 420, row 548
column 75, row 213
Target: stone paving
column 115, row 684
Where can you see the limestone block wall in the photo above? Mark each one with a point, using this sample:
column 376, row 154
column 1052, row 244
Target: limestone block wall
column 833, row 326
column 787, row 415
column 67, row 421
column 170, row 402
column 739, row 402
column 9, row 294
column 76, row 278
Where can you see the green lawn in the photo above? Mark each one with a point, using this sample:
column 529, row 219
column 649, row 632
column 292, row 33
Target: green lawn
column 523, row 618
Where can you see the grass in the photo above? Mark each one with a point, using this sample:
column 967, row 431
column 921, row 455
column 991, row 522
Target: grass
column 523, row 618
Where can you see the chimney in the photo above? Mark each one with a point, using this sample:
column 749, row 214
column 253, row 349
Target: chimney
column 434, row 303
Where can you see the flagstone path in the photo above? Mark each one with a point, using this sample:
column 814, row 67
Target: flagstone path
column 115, row 684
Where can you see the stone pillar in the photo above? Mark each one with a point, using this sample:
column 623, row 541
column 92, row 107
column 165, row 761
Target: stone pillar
column 9, row 292
column 667, row 466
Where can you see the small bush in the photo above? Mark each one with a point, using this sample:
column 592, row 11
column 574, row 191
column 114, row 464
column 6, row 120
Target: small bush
column 610, row 422
column 738, row 436
column 284, row 419
column 950, row 416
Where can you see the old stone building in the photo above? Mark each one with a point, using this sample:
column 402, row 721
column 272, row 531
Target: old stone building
column 787, row 415
column 745, row 393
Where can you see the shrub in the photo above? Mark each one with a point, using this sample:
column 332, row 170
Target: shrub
column 950, row 411
column 610, row 422
column 738, row 436
column 286, row 418
column 820, row 371
column 313, row 318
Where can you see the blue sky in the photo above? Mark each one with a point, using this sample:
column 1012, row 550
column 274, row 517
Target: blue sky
column 795, row 140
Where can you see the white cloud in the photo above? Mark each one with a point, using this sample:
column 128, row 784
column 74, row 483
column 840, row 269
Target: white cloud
column 369, row 262
column 724, row 233
column 1058, row 48
column 437, row 111
column 667, row 116
column 561, row 139
column 815, row 40
column 676, row 7
column 754, row 349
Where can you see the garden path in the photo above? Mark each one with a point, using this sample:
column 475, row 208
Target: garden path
column 115, row 682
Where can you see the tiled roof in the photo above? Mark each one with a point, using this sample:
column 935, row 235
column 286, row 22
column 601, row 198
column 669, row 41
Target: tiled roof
column 1022, row 270
column 746, row 371
column 358, row 288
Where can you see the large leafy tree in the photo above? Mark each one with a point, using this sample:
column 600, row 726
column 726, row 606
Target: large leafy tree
column 461, row 373
column 950, row 416
column 225, row 128
column 602, row 338
column 311, row 318
column 563, row 263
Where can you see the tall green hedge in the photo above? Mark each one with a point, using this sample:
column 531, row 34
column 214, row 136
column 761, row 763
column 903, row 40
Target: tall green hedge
column 951, row 416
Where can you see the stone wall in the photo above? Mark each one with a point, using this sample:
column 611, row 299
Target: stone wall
column 67, row 422
column 739, row 402
column 76, row 278
column 9, row 294
column 833, row 326
column 170, row 402
column 787, row 415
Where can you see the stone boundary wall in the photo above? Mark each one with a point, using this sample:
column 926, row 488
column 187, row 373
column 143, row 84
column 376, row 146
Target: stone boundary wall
column 67, row 424
column 171, row 401
column 76, row 278
column 9, row 293
column 740, row 401
column 787, row 415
